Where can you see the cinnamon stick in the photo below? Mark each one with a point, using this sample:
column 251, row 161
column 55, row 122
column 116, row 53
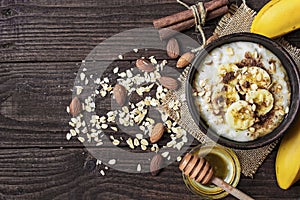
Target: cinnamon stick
column 187, row 14
column 169, row 31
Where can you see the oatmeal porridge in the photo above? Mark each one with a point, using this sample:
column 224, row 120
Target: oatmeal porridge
column 242, row 91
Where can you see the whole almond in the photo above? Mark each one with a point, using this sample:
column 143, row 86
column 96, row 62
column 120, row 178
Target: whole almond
column 75, row 107
column 120, row 94
column 173, row 49
column 168, row 82
column 156, row 164
column 157, row 132
column 185, row 60
column 144, row 65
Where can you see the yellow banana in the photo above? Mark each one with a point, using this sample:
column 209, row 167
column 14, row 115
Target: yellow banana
column 223, row 97
column 253, row 78
column 277, row 18
column 240, row 115
column 287, row 160
column 263, row 99
column 228, row 73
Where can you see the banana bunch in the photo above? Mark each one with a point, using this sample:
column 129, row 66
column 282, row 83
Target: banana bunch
column 287, row 160
column 250, row 82
column 277, row 18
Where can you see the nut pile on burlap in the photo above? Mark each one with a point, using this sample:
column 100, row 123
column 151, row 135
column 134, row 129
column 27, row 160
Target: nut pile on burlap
column 239, row 19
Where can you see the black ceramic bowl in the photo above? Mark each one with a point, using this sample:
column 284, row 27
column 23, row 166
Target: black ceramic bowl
column 293, row 75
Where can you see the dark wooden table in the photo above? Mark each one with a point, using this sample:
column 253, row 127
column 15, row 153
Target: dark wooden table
column 42, row 44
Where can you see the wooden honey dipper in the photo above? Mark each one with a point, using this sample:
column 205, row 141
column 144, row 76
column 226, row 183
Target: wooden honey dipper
column 199, row 169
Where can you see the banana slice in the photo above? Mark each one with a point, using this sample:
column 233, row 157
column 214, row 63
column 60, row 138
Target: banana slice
column 223, row 96
column 263, row 99
column 229, row 73
column 253, row 78
column 240, row 115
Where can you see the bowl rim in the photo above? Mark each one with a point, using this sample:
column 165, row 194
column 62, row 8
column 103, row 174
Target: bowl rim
column 294, row 80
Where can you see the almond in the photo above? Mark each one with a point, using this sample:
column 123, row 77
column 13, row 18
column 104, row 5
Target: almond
column 156, row 164
column 185, row 60
column 144, row 65
column 157, row 132
column 173, row 48
column 168, row 82
column 120, row 94
column 75, row 107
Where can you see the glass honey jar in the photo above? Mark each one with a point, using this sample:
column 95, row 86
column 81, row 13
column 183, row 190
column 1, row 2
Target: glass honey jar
column 225, row 165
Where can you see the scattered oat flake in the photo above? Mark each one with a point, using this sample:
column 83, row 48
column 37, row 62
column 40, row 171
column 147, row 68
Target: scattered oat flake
column 139, row 168
column 165, row 154
column 129, row 73
column 144, row 142
column 98, row 162
column 78, row 124
column 128, row 116
column 104, row 126
column 97, row 81
column 114, row 128
column 99, row 143
column 178, row 158
column 153, row 60
column 102, row 172
column 81, row 139
column 116, row 142
column 171, row 143
column 103, row 93
column 130, row 143
column 74, row 120
column 68, row 109
column 112, row 162
column 82, row 76
column 143, row 147
column 139, row 136
column 68, row 136
column 103, row 119
column 106, row 80
column 88, row 108
column 73, row 132
column 122, row 74
column 184, row 139
column 136, row 142
column 79, row 90
column 116, row 70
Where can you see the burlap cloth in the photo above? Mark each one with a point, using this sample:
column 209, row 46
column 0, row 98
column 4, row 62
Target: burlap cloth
column 239, row 19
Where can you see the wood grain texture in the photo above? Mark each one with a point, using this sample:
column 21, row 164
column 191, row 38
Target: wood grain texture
column 42, row 44
column 68, row 31
column 72, row 174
